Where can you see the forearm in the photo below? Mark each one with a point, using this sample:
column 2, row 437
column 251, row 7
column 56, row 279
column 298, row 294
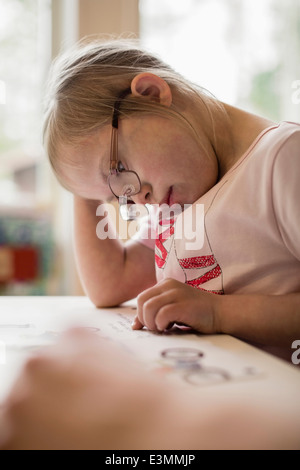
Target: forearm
column 267, row 319
column 111, row 272
column 99, row 262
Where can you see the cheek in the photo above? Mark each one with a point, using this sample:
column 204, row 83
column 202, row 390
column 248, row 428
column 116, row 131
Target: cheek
column 148, row 167
column 87, row 186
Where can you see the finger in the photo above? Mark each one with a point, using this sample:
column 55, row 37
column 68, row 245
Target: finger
column 153, row 306
column 136, row 324
column 173, row 313
column 144, row 297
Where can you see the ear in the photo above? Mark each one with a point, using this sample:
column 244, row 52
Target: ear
column 152, row 86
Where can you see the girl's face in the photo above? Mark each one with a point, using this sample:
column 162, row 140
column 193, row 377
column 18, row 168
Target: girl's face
column 173, row 168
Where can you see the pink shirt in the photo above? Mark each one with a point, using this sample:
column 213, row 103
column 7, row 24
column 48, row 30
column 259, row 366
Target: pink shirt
column 251, row 224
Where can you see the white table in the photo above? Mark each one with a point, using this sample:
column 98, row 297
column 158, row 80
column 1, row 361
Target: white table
column 29, row 323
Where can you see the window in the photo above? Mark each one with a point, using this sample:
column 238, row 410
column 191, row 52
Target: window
column 25, row 223
column 25, row 53
column 244, row 52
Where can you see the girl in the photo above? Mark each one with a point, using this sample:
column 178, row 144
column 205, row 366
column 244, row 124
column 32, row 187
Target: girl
column 120, row 122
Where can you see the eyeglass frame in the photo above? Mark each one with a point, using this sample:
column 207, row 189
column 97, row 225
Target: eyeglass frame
column 114, row 160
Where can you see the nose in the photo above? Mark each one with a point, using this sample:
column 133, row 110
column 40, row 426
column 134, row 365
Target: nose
column 144, row 196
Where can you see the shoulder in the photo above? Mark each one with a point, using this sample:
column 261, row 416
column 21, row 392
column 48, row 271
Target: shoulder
column 287, row 145
column 285, row 187
column 286, row 161
column 276, row 143
column 261, row 156
column 277, row 137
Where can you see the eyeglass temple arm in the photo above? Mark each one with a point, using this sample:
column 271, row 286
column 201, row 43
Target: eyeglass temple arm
column 116, row 110
column 114, row 150
column 115, row 125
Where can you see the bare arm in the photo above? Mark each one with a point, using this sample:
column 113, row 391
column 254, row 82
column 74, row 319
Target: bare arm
column 272, row 320
column 111, row 271
column 266, row 319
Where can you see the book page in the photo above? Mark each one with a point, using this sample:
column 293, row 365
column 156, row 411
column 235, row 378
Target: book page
column 180, row 355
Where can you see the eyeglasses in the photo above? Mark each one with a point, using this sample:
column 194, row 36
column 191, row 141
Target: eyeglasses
column 122, row 182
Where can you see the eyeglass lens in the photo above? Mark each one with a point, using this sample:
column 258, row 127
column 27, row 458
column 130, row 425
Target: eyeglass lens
column 124, row 183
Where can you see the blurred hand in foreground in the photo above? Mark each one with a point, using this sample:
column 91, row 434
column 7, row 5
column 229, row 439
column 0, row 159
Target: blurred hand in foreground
column 84, row 393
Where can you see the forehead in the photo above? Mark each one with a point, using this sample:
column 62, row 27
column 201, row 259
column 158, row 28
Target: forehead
column 83, row 166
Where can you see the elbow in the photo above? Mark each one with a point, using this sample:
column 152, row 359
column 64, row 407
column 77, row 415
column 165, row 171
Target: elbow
column 105, row 303
column 103, row 298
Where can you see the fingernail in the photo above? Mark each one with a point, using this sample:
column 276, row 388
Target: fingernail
column 135, row 324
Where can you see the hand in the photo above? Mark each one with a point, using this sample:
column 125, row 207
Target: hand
column 83, row 393
column 171, row 301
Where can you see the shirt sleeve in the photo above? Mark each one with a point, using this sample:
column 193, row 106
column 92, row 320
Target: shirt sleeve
column 286, row 192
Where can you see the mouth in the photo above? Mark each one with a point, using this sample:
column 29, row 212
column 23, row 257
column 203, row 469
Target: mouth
column 168, row 197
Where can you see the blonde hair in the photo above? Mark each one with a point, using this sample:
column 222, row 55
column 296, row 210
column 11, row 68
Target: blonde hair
column 85, row 82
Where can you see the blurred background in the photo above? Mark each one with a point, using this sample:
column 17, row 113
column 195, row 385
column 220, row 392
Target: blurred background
column 246, row 52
